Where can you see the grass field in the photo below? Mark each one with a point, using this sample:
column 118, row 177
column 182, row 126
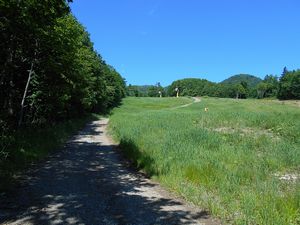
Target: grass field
column 240, row 160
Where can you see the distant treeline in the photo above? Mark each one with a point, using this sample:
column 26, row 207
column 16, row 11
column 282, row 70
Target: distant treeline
column 145, row 90
column 287, row 86
column 49, row 70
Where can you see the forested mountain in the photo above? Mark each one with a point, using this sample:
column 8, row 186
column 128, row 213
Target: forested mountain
column 49, row 70
column 251, row 80
column 241, row 86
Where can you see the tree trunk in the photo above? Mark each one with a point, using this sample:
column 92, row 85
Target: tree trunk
column 25, row 93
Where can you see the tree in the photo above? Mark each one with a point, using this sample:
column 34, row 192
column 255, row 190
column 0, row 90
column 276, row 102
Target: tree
column 284, row 71
column 289, row 85
column 295, row 85
column 49, row 70
column 272, row 85
column 261, row 89
column 25, row 26
column 190, row 87
column 240, row 91
column 155, row 90
column 244, row 93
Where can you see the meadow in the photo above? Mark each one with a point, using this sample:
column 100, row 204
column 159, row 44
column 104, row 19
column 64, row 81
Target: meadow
column 240, row 159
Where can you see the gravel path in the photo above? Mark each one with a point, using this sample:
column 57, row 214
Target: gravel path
column 89, row 182
column 195, row 100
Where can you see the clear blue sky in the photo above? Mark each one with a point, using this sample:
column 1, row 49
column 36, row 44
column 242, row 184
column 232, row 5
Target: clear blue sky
column 150, row 41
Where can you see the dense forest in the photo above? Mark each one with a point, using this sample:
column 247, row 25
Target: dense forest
column 49, row 70
column 287, row 86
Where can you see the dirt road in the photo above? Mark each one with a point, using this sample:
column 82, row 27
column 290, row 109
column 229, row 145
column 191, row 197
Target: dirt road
column 89, row 182
column 195, row 100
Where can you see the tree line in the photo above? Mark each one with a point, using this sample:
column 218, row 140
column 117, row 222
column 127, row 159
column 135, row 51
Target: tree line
column 287, row 86
column 49, row 70
column 145, row 90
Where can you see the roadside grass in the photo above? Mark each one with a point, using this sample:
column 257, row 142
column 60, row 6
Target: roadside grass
column 29, row 145
column 229, row 160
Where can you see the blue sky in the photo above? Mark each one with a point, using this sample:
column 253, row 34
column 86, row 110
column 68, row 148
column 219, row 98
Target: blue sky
column 150, row 41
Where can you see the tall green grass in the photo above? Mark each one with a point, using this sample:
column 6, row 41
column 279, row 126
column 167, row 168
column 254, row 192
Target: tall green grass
column 227, row 160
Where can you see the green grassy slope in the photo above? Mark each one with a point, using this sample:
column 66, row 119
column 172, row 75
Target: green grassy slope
column 228, row 159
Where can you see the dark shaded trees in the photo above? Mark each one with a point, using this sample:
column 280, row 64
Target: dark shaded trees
column 48, row 63
column 24, row 27
column 289, row 85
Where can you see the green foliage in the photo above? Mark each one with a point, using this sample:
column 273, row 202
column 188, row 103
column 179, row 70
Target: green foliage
column 241, row 90
column 29, row 145
column 289, row 85
column 262, row 89
column 25, row 27
column 190, row 87
column 228, row 160
column 156, row 91
column 238, row 86
column 68, row 77
column 272, row 85
column 45, row 48
column 135, row 91
column 251, row 80
column 268, row 87
column 201, row 87
column 145, row 90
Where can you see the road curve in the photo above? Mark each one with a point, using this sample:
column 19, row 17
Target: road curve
column 89, row 182
column 195, row 100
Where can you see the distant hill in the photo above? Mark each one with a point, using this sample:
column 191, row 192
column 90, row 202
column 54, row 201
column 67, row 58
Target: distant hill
column 251, row 80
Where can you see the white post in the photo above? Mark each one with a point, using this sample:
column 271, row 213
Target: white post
column 177, row 92
column 25, row 93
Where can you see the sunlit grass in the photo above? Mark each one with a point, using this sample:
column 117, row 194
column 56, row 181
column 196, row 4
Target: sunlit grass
column 224, row 159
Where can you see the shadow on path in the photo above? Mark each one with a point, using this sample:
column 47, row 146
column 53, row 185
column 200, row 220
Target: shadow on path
column 88, row 183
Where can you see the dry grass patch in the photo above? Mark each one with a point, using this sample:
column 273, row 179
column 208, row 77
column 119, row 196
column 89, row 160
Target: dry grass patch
column 246, row 131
